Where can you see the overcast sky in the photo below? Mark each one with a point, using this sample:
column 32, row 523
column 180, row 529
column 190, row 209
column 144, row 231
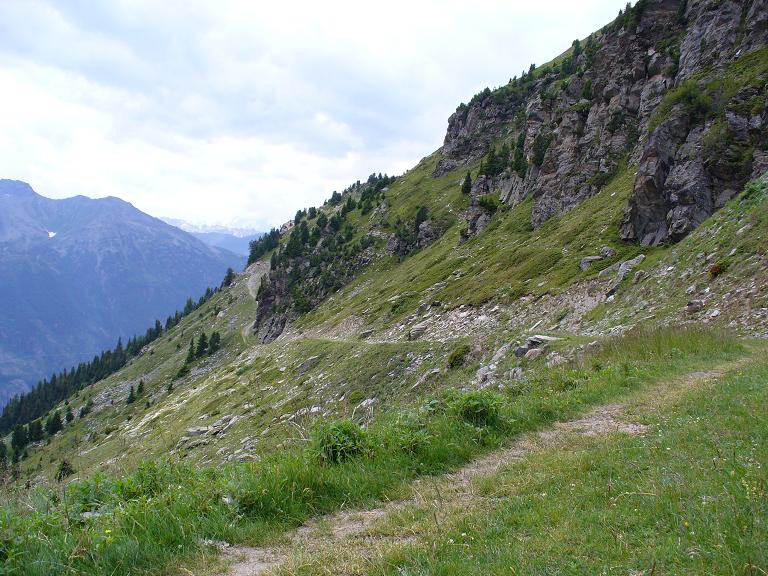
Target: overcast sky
column 241, row 112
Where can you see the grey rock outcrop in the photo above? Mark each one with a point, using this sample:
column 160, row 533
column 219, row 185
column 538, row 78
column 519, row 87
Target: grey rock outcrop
column 575, row 135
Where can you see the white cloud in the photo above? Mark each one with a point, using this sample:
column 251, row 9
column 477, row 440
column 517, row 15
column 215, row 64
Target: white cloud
column 242, row 112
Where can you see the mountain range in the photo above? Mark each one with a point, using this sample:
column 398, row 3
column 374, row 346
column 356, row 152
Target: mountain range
column 235, row 240
column 76, row 274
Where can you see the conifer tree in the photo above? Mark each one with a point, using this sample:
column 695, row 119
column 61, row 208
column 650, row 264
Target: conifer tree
column 215, row 343
column 19, row 439
column 202, row 346
column 131, row 396
column 54, row 424
column 36, row 432
column 191, row 353
column 229, row 277
column 140, row 388
column 69, row 416
column 466, row 186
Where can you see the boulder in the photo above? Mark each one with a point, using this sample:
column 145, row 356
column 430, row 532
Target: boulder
column 308, row 364
column 587, row 261
column 534, row 353
column 417, row 330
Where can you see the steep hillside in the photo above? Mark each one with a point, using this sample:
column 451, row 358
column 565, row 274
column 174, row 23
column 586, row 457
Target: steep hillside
column 76, row 274
column 360, row 303
column 521, row 274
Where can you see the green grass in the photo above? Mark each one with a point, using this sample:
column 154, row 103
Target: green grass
column 688, row 498
column 148, row 519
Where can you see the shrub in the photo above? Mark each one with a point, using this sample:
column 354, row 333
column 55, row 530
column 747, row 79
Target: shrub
column 718, row 268
column 479, row 408
column 457, row 357
column 339, row 441
column 489, row 202
column 540, row 145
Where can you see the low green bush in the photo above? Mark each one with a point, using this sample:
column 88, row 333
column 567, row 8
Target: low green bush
column 458, row 355
column 339, row 441
column 479, row 408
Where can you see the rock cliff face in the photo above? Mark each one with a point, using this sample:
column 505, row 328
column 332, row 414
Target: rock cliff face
column 630, row 94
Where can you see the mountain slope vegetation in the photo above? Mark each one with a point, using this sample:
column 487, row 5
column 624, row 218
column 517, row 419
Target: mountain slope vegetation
column 412, row 323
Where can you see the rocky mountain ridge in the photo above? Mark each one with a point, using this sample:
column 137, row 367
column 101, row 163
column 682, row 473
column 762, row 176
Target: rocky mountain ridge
column 645, row 90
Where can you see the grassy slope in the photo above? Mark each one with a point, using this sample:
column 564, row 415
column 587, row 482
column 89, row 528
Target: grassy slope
column 149, row 518
column 687, row 498
column 264, row 386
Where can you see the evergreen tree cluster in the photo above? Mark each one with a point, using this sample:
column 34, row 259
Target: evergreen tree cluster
column 24, row 408
column 319, row 256
column 495, row 162
column 203, row 346
column 261, row 246
column 37, row 430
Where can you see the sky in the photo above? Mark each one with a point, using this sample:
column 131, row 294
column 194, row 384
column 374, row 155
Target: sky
column 241, row 112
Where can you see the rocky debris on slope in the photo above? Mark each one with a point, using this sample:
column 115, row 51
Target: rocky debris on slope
column 621, row 269
column 196, row 436
column 605, row 252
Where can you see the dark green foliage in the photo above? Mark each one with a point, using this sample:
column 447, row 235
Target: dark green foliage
column 263, row 245
column 131, row 396
column 458, row 355
column 489, row 202
column 312, row 213
column 202, row 345
column 338, row 441
column 35, row 431
column 466, row 185
column 519, row 163
column 191, row 352
column 69, row 416
column 140, row 388
column 586, row 89
column 86, row 409
column 495, row 162
column 19, row 438
column 229, row 277
column 3, row 454
column 65, row 469
column 54, row 424
column 540, row 145
column 47, row 393
column 215, row 343
column 479, row 408
column 335, row 199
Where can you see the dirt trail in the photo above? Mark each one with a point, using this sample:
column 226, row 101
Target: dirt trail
column 318, row 535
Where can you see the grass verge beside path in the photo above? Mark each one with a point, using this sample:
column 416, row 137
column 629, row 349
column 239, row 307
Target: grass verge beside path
column 687, row 498
column 148, row 521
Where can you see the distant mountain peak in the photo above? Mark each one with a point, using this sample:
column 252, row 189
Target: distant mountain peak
column 15, row 188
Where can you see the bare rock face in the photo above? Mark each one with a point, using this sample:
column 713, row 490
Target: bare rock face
column 477, row 216
column 575, row 134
